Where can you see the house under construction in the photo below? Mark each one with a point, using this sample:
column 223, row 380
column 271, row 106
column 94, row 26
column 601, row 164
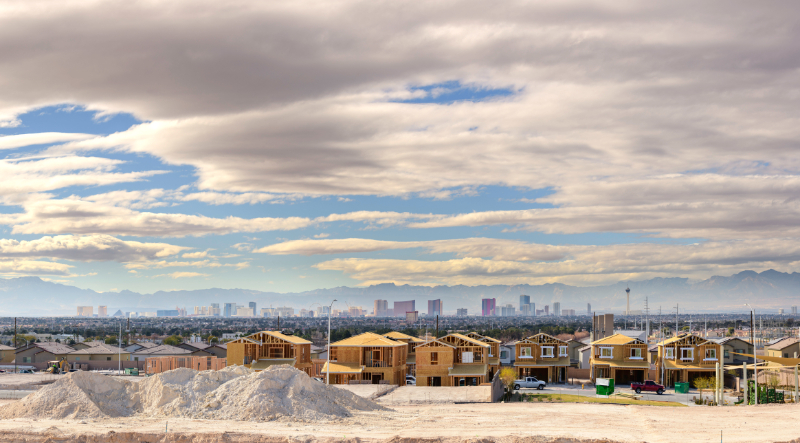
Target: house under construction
column 366, row 358
column 493, row 360
column 453, row 360
column 411, row 356
column 267, row 348
column 544, row 357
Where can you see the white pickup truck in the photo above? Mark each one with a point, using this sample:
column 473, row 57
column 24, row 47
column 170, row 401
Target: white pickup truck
column 529, row 382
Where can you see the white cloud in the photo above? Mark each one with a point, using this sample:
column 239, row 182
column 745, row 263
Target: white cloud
column 18, row 268
column 198, row 254
column 246, row 198
column 86, row 248
column 322, row 235
column 39, row 138
column 182, row 275
column 490, row 261
column 185, row 264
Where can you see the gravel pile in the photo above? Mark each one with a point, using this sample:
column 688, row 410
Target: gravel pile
column 234, row 393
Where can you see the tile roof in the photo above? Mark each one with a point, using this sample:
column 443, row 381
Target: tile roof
column 6, row 348
column 163, row 350
column 368, row 339
column 100, row 348
column 786, row 342
column 199, row 346
column 51, row 347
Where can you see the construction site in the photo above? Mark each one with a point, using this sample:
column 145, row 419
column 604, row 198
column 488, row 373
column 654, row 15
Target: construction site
column 267, row 390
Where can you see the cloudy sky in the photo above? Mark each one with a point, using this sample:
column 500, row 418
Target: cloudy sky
column 287, row 146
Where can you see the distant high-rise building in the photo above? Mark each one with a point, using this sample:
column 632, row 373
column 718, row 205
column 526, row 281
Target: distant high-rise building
column 401, row 307
column 102, row 311
column 435, row 307
column 524, row 300
column 252, row 306
column 546, row 310
column 780, row 311
column 568, row 313
column 488, row 306
column 285, row 311
column 229, row 309
column 533, row 309
column 507, row 310
column 794, row 310
column 628, row 305
column 461, row 312
column 412, row 316
column 381, row 309
column 244, row 311
column 557, row 309
column 214, row 309
column 85, row 311
column 525, row 310
column 197, row 310
column 588, row 308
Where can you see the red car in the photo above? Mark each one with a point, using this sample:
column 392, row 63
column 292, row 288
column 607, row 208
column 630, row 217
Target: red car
column 648, row 385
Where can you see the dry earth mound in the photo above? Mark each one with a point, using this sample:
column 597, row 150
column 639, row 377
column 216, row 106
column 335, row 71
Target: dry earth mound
column 234, row 393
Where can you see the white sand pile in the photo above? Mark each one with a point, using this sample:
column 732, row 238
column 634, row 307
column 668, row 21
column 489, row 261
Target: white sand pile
column 234, row 393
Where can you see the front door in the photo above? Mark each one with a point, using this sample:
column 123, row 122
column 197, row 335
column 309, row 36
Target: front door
column 376, row 378
column 436, row 381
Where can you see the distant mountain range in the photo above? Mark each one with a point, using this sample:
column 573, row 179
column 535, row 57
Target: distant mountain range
column 766, row 291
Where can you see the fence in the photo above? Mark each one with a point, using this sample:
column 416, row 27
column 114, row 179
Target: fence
column 156, row 365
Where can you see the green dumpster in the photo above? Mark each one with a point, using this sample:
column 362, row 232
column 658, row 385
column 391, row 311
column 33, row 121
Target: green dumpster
column 604, row 386
column 681, row 388
column 131, row 371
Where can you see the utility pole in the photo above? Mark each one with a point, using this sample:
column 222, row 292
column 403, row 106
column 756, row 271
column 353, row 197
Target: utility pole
column 647, row 320
column 676, row 319
column 15, row 343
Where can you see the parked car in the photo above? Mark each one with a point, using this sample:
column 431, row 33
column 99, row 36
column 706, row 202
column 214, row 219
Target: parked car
column 411, row 380
column 26, row 371
column 648, row 385
column 529, row 382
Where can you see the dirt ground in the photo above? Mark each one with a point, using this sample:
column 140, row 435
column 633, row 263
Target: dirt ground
column 492, row 422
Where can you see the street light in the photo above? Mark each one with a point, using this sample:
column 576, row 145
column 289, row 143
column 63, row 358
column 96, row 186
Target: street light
column 328, row 372
column 753, row 342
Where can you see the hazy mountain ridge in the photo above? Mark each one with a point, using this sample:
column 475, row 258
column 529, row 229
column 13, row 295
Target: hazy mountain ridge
column 768, row 290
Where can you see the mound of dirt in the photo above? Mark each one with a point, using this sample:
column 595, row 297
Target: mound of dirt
column 234, row 393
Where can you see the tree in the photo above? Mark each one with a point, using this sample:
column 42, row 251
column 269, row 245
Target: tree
column 730, row 331
column 507, row 377
column 173, row 340
column 111, row 340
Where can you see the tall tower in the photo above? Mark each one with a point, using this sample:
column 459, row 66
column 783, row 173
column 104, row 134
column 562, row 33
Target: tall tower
column 628, row 306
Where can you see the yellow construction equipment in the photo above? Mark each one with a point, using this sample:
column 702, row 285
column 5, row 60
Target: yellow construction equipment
column 58, row 366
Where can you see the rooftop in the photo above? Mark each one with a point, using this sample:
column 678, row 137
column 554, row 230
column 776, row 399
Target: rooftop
column 368, row 339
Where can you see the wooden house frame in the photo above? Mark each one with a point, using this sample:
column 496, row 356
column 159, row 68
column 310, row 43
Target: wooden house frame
column 686, row 357
column 542, row 356
column 367, row 358
column 267, row 348
column 494, row 351
column 453, row 360
column 411, row 355
column 619, row 357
